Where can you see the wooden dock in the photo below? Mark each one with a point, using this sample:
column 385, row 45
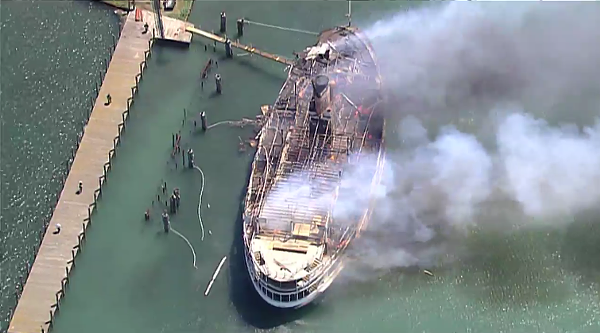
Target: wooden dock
column 237, row 45
column 36, row 306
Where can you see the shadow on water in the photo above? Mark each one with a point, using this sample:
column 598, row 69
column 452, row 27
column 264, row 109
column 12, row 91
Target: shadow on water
column 277, row 79
column 172, row 43
column 162, row 56
column 242, row 60
column 250, row 306
column 251, row 65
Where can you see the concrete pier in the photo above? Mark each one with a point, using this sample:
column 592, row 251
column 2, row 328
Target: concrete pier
column 46, row 283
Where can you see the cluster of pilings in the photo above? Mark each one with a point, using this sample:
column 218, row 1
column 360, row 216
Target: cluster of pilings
column 240, row 25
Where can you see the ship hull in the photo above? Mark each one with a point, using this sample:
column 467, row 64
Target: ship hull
column 277, row 284
column 335, row 268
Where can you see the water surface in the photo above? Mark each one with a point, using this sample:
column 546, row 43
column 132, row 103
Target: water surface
column 131, row 277
column 52, row 54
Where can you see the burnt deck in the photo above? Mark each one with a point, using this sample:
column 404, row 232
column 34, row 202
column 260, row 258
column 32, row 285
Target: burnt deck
column 297, row 169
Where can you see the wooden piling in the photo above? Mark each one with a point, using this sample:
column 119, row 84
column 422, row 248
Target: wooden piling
column 204, row 121
column 218, row 83
column 240, row 27
column 223, row 23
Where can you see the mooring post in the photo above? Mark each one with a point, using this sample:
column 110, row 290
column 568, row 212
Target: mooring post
column 204, row 121
column 240, row 27
column 223, row 22
column 218, row 83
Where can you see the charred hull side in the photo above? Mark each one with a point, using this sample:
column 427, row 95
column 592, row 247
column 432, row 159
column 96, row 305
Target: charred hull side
column 326, row 118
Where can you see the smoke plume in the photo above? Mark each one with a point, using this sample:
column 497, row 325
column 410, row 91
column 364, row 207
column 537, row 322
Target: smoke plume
column 465, row 55
column 504, row 67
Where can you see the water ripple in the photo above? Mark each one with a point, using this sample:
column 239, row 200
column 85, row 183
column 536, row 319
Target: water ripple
column 52, row 55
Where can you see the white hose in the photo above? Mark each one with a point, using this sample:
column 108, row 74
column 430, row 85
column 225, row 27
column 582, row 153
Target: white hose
column 281, row 28
column 200, row 201
column 199, row 218
column 188, row 243
column 240, row 123
column 215, row 276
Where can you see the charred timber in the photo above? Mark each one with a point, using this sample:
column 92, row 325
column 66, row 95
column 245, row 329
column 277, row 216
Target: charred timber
column 326, row 119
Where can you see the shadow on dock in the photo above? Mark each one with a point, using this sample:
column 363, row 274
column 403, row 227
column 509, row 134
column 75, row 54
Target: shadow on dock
column 250, row 306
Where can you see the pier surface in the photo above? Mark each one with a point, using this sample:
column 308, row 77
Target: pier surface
column 35, row 307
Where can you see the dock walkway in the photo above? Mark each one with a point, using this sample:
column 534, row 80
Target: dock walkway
column 43, row 289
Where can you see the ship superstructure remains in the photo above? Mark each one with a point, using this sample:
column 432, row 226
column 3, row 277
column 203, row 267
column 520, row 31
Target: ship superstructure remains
column 326, row 117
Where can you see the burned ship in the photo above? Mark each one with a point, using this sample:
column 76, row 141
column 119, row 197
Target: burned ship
column 327, row 117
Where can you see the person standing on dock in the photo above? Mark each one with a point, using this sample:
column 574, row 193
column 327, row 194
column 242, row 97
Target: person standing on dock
column 165, row 219
column 79, row 188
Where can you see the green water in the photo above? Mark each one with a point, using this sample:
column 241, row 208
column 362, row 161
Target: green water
column 51, row 56
column 133, row 278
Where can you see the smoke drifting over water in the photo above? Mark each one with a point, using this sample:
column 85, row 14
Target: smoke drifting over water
column 461, row 55
column 505, row 64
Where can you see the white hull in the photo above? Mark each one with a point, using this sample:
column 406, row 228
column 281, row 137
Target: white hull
column 292, row 247
column 324, row 283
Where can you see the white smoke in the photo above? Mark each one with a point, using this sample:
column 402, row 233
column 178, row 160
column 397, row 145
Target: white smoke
column 550, row 170
column 440, row 187
column 456, row 56
column 447, row 62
